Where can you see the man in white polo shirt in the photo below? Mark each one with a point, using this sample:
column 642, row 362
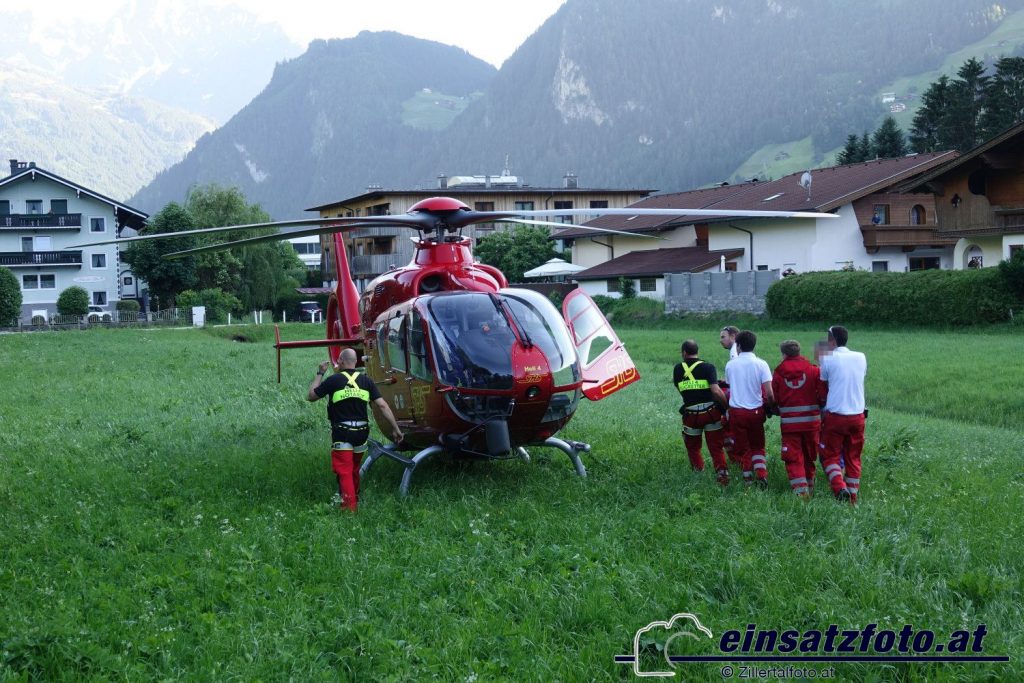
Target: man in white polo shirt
column 842, row 430
column 750, row 387
column 727, row 338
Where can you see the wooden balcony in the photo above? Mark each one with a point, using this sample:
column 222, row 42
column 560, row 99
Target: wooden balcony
column 906, row 235
column 50, row 221
column 36, row 259
column 1010, row 219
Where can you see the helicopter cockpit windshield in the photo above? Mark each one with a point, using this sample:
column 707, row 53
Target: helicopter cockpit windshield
column 537, row 316
column 473, row 336
column 472, row 339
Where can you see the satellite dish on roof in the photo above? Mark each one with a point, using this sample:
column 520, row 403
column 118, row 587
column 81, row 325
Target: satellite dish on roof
column 805, row 182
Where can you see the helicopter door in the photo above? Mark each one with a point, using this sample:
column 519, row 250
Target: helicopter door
column 605, row 365
column 401, row 401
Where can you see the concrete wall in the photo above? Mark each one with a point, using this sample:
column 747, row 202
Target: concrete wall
column 707, row 292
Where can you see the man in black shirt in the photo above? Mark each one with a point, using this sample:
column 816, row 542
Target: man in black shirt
column 350, row 392
column 702, row 409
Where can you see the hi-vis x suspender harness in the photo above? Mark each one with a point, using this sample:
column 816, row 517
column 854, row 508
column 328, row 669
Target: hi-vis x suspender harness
column 691, row 382
column 356, row 433
column 352, row 390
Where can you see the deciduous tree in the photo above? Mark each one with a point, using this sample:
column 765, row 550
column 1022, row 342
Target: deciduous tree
column 517, row 250
column 166, row 278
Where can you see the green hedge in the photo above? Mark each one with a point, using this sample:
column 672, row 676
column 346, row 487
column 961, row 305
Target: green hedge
column 927, row 297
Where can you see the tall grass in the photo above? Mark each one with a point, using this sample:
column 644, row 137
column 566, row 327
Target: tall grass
column 166, row 512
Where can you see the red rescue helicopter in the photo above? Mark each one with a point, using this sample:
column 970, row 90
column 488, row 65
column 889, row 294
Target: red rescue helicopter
column 469, row 365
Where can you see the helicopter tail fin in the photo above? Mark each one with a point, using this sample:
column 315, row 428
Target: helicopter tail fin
column 348, row 297
column 605, row 365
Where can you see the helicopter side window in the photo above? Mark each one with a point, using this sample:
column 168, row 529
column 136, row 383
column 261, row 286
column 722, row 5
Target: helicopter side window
column 590, row 330
column 396, row 344
column 382, row 346
column 418, row 365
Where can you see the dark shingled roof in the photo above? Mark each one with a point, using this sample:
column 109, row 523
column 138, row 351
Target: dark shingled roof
column 831, row 188
column 658, row 262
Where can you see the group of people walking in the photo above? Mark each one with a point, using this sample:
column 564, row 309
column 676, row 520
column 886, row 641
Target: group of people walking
column 820, row 408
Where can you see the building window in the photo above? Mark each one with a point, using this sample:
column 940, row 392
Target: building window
column 648, row 284
column 30, row 282
column 524, row 206
column 99, row 260
column 1014, row 248
column 47, row 282
column 33, row 206
column 917, row 215
column 5, row 207
column 924, row 263
column 976, row 182
column 58, row 206
column 762, row 266
column 730, row 266
column 563, row 205
column 26, row 244
column 879, row 266
column 599, row 204
column 97, row 224
column 881, row 214
column 99, row 298
column 613, row 285
column 128, row 281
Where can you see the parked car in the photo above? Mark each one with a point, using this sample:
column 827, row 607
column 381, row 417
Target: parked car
column 310, row 312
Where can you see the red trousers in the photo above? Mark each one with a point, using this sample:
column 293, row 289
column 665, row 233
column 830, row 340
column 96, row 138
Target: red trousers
column 748, row 435
column 799, row 452
column 346, row 466
column 842, row 434
column 708, row 422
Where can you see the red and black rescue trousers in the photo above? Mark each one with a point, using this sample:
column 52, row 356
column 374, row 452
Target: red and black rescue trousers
column 800, row 453
column 842, row 434
column 346, row 456
column 704, row 418
column 748, row 435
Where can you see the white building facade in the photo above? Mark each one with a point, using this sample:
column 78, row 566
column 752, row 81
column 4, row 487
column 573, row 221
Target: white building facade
column 40, row 215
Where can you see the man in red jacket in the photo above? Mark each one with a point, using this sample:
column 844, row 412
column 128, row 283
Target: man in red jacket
column 797, row 390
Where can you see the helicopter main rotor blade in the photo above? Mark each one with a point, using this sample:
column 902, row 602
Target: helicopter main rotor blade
column 324, row 225
column 566, row 226
column 723, row 213
column 272, row 237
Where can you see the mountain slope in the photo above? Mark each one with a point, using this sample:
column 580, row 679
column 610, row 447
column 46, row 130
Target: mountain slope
column 666, row 94
column 110, row 142
column 329, row 123
column 679, row 94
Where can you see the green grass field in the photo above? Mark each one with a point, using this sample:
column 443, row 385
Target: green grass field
column 166, row 513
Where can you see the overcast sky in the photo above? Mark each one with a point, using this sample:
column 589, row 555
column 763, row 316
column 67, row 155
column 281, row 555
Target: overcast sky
column 488, row 29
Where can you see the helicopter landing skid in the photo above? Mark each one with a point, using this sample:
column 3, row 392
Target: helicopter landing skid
column 377, row 449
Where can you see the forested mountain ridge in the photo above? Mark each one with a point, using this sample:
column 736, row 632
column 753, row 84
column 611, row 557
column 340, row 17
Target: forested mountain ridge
column 110, row 142
column 328, row 123
column 672, row 95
